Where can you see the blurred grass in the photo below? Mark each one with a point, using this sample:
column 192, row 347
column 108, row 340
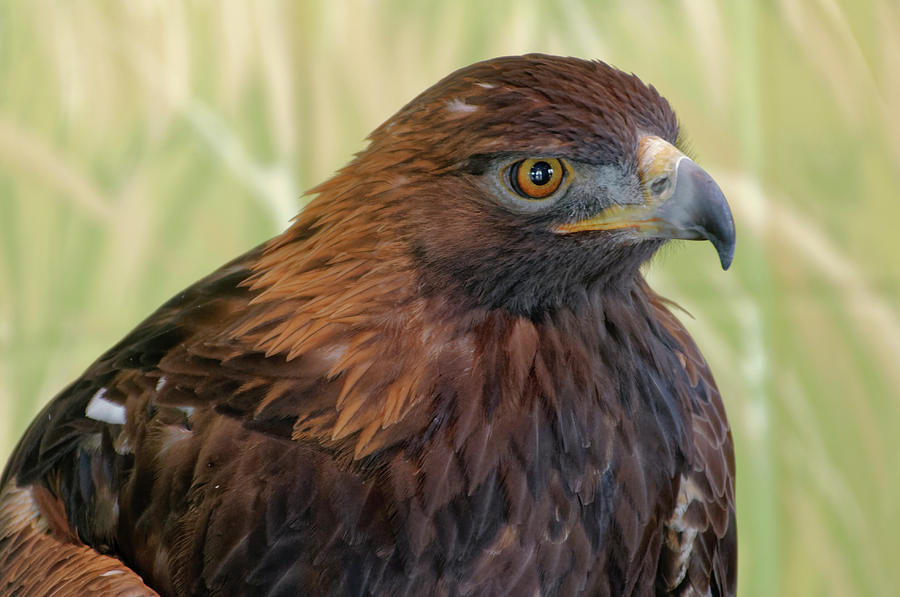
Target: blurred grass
column 142, row 144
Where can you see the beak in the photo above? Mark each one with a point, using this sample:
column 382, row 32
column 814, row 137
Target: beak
column 680, row 201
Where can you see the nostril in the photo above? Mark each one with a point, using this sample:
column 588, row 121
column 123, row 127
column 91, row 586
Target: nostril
column 658, row 186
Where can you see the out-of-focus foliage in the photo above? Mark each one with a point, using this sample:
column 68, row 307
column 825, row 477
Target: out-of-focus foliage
column 144, row 143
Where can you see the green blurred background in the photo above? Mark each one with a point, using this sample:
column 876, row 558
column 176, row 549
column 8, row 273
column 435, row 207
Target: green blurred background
column 142, row 144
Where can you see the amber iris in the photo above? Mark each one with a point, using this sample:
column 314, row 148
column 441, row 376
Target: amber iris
column 536, row 178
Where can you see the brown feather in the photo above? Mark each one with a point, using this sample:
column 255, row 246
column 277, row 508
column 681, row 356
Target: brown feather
column 412, row 390
column 67, row 567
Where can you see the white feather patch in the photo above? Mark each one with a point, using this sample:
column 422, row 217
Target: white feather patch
column 101, row 409
column 458, row 105
column 680, row 535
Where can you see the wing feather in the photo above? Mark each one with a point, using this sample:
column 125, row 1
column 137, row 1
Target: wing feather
column 699, row 553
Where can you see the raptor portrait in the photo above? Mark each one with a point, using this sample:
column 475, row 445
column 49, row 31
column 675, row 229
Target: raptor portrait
column 448, row 376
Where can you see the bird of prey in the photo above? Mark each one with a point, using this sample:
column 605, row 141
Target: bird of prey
column 447, row 377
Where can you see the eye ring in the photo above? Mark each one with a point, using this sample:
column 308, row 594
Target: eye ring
column 536, row 178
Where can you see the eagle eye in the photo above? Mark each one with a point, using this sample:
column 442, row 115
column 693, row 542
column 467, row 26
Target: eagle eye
column 536, row 178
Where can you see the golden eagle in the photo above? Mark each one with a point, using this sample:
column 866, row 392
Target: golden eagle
column 447, row 377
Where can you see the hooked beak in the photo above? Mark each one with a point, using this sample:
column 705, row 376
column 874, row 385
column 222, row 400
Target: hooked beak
column 681, row 201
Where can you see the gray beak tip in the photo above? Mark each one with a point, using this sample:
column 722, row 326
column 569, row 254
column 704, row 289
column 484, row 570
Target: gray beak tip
column 725, row 251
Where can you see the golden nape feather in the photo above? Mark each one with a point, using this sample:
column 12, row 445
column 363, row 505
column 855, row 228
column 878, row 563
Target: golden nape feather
column 447, row 377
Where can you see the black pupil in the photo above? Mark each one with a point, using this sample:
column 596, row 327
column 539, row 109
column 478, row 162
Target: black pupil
column 541, row 173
